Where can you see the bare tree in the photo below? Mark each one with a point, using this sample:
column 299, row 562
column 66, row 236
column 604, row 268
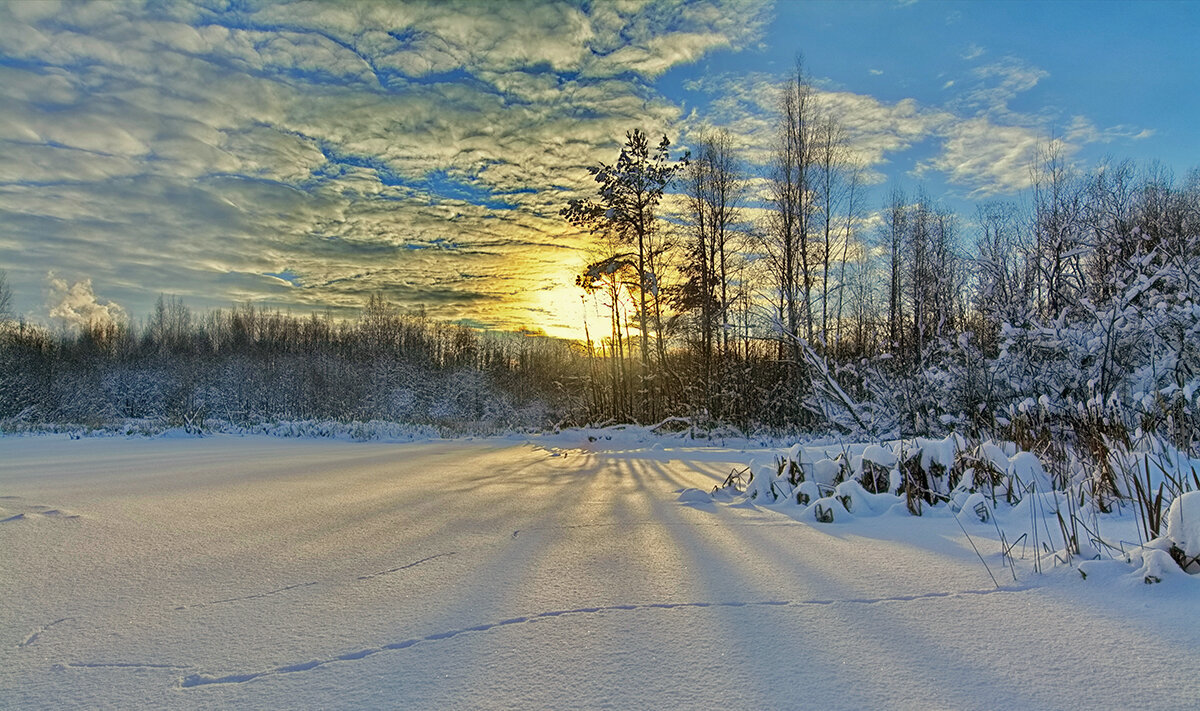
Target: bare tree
column 1058, row 198
column 828, row 188
column 998, row 294
column 791, row 193
column 849, row 235
column 895, row 229
column 1110, row 222
column 713, row 188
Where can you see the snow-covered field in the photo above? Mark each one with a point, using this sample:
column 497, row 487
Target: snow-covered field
column 255, row 572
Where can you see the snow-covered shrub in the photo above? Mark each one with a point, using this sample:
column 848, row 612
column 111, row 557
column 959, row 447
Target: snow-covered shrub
column 828, row 510
column 929, row 471
column 859, row 501
column 795, row 465
column 806, row 492
column 876, row 465
column 1028, row 473
column 1153, row 476
column 985, row 467
column 766, row 485
column 1131, row 359
column 828, row 472
column 734, row 484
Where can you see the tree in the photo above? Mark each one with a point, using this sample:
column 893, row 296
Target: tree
column 998, row 296
column 1111, row 235
column 1058, row 197
column 714, row 188
column 827, row 191
column 611, row 277
column 626, row 207
column 791, row 195
column 895, row 227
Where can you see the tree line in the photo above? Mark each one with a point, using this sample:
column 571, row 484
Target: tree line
column 248, row 365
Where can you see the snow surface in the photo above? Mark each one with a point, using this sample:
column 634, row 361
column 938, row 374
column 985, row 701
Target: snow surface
column 264, row 573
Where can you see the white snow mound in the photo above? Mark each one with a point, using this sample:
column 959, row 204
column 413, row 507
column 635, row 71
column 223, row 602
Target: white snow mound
column 879, row 455
column 1183, row 523
column 694, row 496
column 1028, row 471
column 825, row 471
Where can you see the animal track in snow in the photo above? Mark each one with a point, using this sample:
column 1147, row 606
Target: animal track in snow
column 201, row 679
column 304, row 666
column 246, row 597
column 255, row 596
column 33, row 636
column 414, row 564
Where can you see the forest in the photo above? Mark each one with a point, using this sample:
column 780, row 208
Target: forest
column 768, row 301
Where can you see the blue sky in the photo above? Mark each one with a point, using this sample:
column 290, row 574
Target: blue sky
column 306, row 155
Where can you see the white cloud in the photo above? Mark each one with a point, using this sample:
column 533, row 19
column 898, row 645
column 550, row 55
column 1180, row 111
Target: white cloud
column 175, row 148
column 984, row 156
column 76, row 305
column 982, row 145
column 973, row 51
column 1083, row 130
column 876, row 128
column 996, row 85
column 747, row 106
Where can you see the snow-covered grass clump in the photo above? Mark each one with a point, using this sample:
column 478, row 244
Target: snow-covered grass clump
column 1144, row 510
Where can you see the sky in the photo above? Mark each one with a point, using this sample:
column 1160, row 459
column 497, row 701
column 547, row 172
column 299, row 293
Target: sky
column 305, row 155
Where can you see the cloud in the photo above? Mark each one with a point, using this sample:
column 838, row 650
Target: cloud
column 985, row 157
column 748, row 106
column 973, row 51
column 76, row 305
column 998, row 83
column 877, row 128
column 1082, row 130
column 179, row 148
column 982, row 145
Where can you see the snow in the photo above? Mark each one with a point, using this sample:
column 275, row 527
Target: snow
column 995, row 456
column 937, row 451
column 879, row 455
column 825, row 471
column 1028, row 472
column 1183, row 523
column 257, row 572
